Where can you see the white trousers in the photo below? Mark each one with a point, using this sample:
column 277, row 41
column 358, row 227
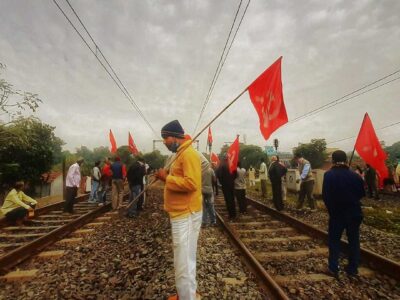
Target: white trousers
column 185, row 233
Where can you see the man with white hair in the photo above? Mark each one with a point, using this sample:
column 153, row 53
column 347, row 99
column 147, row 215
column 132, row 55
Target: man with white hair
column 306, row 182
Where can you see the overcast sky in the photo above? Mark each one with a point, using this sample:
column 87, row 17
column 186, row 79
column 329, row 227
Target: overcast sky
column 166, row 52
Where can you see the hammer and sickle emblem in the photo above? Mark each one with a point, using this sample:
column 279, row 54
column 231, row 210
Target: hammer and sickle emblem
column 267, row 112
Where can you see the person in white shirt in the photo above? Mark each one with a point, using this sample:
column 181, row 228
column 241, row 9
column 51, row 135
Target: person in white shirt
column 240, row 188
column 73, row 181
column 252, row 176
column 263, row 178
column 96, row 175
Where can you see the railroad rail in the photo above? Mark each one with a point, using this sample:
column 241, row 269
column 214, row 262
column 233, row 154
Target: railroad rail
column 266, row 237
column 48, row 226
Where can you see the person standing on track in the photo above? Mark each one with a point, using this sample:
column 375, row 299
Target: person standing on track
column 183, row 202
column 240, row 188
column 342, row 191
column 275, row 172
column 105, row 181
column 17, row 205
column 370, row 180
column 207, row 179
column 96, row 174
column 118, row 170
column 227, row 181
column 73, row 181
column 252, row 176
column 306, row 182
column 263, row 178
column 135, row 176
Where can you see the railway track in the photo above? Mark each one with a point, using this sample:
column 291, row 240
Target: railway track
column 49, row 226
column 290, row 258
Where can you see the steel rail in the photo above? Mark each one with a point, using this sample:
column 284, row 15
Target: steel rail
column 270, row 286
column 20, row 254
column 374, row 260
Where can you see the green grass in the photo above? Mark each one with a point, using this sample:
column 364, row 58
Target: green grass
column 376, row 217
column 379, row 219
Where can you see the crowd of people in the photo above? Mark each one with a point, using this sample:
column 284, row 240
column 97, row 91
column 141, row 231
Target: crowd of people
column 191, row 184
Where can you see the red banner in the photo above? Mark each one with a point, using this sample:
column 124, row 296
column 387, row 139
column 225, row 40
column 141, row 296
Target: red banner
column 370, row 150
column 267, row 97
column 214, row 159
column 113, row 143
column 132, row 146
column 233, row 155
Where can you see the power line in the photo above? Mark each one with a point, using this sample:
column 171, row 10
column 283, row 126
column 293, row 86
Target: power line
column 351, row 137
column 221, row 61
column 345, row 97
column 123, row 90
column 112, row 69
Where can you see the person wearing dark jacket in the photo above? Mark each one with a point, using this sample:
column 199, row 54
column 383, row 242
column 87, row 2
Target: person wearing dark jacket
column 275, row 173
column 135, row 176
column 370, row 180
column 227, row 181
column 342, row 191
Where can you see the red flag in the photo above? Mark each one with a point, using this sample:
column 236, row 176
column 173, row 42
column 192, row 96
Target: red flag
column 233, row 155
column 214, row 158
column 267, row 97
column 370, row 150
column 113, row 143
column 209, row 137
column 132, row 146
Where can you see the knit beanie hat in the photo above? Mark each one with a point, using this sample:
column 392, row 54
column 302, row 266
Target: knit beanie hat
column 339, row 156
column 174, row 129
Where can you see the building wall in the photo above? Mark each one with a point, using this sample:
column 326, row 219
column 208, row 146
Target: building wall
column 56, row 186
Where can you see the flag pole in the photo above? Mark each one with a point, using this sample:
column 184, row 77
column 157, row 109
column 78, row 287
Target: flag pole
column 219, row 114
column 351, row 157
column 352, row 154
column 193, row 139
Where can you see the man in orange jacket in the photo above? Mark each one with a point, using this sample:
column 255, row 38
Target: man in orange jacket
column 183, row 202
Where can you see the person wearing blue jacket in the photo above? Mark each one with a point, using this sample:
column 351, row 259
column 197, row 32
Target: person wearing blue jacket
column 342, row 191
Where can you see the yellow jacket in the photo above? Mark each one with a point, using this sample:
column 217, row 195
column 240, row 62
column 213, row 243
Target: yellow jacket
column 16, row 199
column 182, row 192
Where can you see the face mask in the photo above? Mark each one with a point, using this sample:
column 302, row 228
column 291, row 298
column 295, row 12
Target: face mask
column 173, row 147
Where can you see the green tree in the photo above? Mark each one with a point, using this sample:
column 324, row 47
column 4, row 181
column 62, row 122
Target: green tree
column 155, row 159
column 32, row 150
column 14, row 101
column 315, row 152
column 249, row 155
column 393, row 152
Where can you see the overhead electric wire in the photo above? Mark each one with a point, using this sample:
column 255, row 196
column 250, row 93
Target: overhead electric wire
column 346, row 97
column 230, row 46
column 384, row 127
column 123, row 90
column 112, row 69
column 222, row 61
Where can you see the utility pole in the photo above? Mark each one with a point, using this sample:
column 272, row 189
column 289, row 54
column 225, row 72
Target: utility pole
column 276, row 145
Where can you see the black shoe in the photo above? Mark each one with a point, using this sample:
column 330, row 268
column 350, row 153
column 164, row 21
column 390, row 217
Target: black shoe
column 333, row 273
column 351, row 273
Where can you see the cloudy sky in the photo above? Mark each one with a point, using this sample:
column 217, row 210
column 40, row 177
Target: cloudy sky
column 166, row 52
